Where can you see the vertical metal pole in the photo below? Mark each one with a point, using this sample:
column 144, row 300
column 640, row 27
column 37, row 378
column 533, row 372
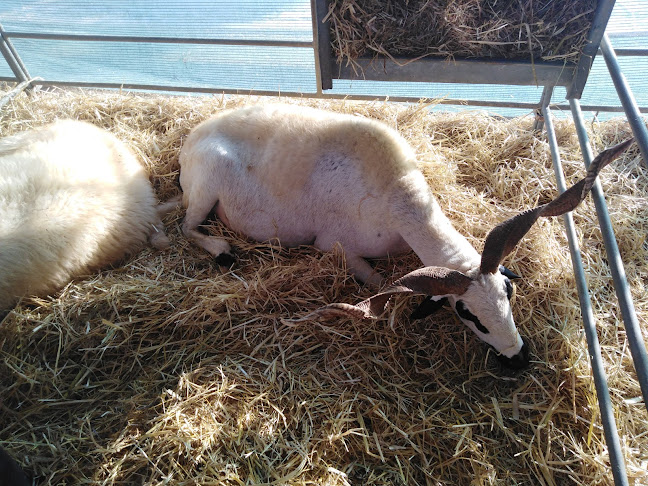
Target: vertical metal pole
column 617, row 462
column 545, row 99
column 626, row 97
column 633, row 331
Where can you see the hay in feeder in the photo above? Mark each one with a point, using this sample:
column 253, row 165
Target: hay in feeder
column 548, row 30
column 165, row 370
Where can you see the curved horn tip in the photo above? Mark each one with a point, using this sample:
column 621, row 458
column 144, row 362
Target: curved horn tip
column 610, row 154
column 623, row 145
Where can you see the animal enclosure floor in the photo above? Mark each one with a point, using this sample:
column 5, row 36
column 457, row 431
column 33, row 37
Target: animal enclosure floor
column 167, row 370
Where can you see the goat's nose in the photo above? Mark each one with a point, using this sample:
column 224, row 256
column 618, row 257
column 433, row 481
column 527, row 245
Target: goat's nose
column 517, row 362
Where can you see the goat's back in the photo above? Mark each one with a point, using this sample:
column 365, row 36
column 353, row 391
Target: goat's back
column 72, row 198
column 283, row 143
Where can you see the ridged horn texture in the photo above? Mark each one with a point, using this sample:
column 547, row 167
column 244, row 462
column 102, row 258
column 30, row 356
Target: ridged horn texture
column 435, row 281
column 503, row 238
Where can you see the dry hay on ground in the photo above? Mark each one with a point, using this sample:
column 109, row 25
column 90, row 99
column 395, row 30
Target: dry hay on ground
column 165, row 370
column 548, row 30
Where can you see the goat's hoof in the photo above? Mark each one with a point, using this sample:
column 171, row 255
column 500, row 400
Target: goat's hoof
column 225, row 260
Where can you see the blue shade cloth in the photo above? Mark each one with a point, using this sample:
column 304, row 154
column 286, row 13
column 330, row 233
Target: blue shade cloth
column 231, row 19
column 287, row 69
column 245, row 67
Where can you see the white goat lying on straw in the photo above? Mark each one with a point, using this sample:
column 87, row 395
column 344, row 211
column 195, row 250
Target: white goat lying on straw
column 306, row 176
column 72, row 198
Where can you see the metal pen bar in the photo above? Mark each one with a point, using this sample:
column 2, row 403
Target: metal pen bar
column 602, row 108
column 545, row 99
column 14, row 54
column 617, row 462
column 633, row 331
column 159, row 40
column 296, row 94
column 19, row 76
column 626, row 97
column 631, row 52
column 11, row 61
column 290, row 94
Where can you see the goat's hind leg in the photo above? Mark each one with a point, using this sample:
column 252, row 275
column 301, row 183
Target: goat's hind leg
column 197, row 212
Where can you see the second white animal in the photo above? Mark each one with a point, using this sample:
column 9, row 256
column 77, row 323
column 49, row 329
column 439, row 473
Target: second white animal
column 73, row 198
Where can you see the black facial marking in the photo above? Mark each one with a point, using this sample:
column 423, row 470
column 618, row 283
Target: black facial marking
column 427, row 307
column 464, row 313
column 509, row 288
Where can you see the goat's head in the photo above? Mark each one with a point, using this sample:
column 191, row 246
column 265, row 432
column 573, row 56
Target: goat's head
column 485, row 308
column 481, row 297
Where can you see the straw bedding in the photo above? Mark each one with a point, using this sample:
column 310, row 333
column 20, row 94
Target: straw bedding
column 166, row 370
column 547, row 30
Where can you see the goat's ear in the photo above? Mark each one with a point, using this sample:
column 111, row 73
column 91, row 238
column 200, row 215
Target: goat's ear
column 503, row 238
column 507, row 273
column 433, row 281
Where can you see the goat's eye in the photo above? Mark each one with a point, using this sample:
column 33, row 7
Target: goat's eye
column 509, row 288
column 464, row 313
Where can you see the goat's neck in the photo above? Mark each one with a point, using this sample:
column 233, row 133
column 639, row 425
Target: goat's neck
column 433, row 238
column 442, row 245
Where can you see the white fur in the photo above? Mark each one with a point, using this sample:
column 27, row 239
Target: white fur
column 306, row 176
column 72, row 198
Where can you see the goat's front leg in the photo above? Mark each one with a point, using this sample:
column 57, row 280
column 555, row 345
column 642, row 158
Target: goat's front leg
column 362, row 271
column 357, row 265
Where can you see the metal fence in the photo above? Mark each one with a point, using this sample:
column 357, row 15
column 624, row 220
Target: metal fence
column 548, row 75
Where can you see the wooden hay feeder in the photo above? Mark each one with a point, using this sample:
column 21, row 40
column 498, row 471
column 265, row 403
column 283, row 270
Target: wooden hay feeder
column 465, row 41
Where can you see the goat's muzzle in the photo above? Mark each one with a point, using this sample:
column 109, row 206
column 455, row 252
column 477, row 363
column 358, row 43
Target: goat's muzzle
column 517, row 362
